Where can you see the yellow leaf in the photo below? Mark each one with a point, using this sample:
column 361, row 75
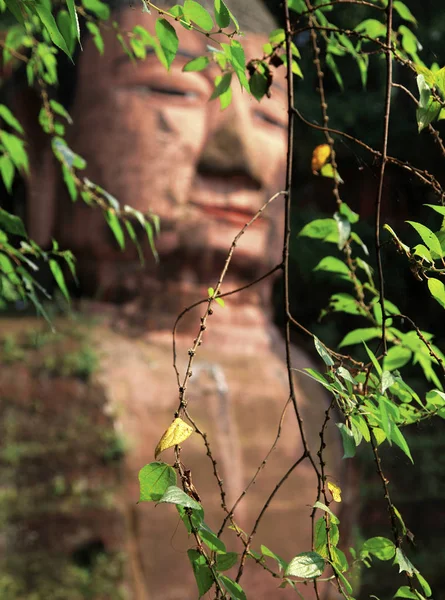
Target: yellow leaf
column 178, row 432
column 320, row 156
column 335, row 491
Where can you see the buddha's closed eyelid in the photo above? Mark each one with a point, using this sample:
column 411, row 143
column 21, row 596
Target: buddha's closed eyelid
column 166, row 91
column 270, row 119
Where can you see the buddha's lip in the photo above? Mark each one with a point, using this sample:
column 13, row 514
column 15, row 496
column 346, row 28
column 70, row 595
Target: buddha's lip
column 236, row 215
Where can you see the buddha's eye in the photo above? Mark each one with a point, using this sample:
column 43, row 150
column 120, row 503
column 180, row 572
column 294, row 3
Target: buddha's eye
column 175, row 92
column 270, row 119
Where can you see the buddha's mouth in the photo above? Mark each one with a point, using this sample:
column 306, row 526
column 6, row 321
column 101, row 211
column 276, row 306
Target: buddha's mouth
column 229, row 214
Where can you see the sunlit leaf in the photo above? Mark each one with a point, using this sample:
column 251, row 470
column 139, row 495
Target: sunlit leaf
column 306, row 565
column 197, row 14
column 59, row 277
column 381, row 547
column 348, row 440
column 222, row 14
column 168, row 40
column 154, row 480
column 177, row 433
column 233, row 588
column 320, row 156
column 197, row 64
column 335, row 491
column 437, row 290
column 174, row 495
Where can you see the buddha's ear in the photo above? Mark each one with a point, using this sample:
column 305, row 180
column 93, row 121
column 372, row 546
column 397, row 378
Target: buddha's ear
column 41, row 180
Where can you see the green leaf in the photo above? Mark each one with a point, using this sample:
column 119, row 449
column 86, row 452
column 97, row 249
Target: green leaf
column 174, row 495
column 321, row 538
column 306, row 565
column 9, row 118
column 197, row 14
column 405, row 592
column 235, row 54
column 97, row 36
column 323, row 352
column 65, row 25
column 210, row 539
column 348, row 440
column 372, row 28
column 73, row 14
column 226, row 561
column 321, row 229
column 339, row 560
column 345, row 303
column 381, row 547
column 7, row 172
column 282, row 564
column 259, row 84
column 15, row 147
column 220, row 301
column 115, row 227
column 222, row 14
column 404, row 12
column 168, row 40
column 333, row 265
column 374, row 360
column 201, row 570
column 277, row 36
column 429, row 238
column 437, row 290
column 154, row 480
column 397, row 357
column 330, row 61
column 424, row 583
column 222, row 86
column 404, row 563
column 196, row 64
column 58, row 276
column 100, row 9
column 60, row 110
column 234, row 589
column 51, row 26
column 360, row 335
column 397, row 438
column 191, row 517
column 12, row 223
column 362, row 426
column 385, row 420
column 423, row 252
column 297, row 5
column 325, row 508
column 386, row 381
column 346, row 375
column 69, row 182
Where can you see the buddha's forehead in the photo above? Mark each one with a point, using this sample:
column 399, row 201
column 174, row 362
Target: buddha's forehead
column 191, row 43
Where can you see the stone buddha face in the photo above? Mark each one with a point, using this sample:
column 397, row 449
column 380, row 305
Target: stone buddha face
column 153, row 140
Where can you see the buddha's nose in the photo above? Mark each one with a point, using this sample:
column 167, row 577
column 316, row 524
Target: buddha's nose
column 229, row 149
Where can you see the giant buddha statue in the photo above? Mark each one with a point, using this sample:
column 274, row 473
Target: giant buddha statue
column 83, row 409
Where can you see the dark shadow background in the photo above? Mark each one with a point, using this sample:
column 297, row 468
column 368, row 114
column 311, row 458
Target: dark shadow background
column 418, row 491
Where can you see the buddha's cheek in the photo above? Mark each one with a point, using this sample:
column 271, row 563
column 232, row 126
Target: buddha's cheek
column 145, row 154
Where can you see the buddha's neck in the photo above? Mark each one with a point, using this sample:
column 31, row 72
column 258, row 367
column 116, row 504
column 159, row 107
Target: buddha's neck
column 244, row 321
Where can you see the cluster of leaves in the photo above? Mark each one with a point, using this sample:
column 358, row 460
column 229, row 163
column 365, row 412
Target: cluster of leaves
column 35, row 41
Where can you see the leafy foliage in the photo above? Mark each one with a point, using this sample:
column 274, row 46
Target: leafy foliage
column 369, row 388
